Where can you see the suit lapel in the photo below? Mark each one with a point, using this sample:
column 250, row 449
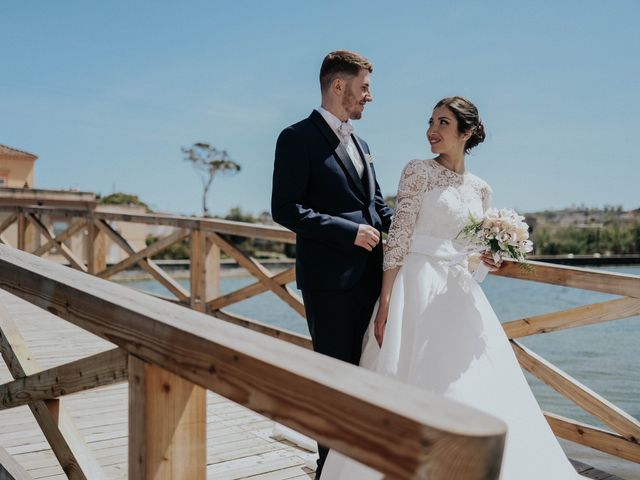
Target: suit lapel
column 368, row 171
column 339, row 150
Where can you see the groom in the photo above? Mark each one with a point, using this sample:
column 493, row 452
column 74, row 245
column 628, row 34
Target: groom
column 325, row 190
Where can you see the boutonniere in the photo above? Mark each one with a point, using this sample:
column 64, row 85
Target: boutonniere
column 368, row 157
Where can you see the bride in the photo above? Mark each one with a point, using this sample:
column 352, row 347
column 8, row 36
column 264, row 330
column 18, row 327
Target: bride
column 434, row 327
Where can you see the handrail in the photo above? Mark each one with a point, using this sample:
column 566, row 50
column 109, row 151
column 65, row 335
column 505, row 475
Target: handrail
column 227, row 227
column 396, row 428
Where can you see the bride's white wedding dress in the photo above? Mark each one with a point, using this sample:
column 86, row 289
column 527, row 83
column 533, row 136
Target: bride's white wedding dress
column 442, row 335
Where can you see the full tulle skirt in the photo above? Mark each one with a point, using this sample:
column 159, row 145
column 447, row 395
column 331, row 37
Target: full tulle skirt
column 443, row 336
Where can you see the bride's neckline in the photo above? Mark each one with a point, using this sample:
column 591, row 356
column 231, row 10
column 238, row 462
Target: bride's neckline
column 449, row 170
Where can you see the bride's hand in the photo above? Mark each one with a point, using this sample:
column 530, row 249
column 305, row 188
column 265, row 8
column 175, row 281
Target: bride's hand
column 379, row 326
column 487, row 259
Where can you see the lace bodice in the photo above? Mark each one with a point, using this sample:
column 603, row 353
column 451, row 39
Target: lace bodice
column 435, row 201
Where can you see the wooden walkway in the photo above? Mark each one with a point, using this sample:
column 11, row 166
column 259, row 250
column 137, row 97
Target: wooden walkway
column 238, row 440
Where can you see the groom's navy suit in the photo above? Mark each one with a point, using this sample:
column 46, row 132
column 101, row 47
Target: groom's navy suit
column 318, row 194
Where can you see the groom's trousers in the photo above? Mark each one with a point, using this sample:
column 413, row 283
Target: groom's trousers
column 338, row 319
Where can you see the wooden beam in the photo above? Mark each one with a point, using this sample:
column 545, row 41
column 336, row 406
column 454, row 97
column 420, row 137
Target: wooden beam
column 204, row 270
column 8, row 221
column 145, row 253
column 261, row 273
column 594, row 280
column 252, row 290
column 396, row 428
column 10, row 469
column 165, row 279
column 38, row 198
column 167, row 425
column 48, row 234
column 96, row 248
column 274, row 233
column 57, row 241
column 146, row 264
column 573, row 317
column 225, row 227
column 22, row 230
column 593, row 437
column 251, row 324
column 582, row 396
column 97, row 370
column 74, row 455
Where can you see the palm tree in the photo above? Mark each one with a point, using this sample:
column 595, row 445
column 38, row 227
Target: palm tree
column 207, row 162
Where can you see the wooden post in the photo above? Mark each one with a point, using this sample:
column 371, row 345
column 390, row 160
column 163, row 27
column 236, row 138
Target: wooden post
column 22, row 230
column 205, row 270
column 167, row 425
column 96, row 249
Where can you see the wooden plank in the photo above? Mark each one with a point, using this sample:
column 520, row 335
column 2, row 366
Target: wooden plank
column 225, row 227
column 145, row 253
column 348, row 408
column 593, row 437
column 573, row 317
column 167, row 425
column 608, row 413
column 95, row 371
column 146, row 264
column 204, row 270
column 96, row 247
column 588, row 471
column 49, row 235
column 22, row 230
column 75, row 457
column 10, row 469
column 273, row 233
column 594, row 280
column 57, row 241
column 256, row 326
column 261, row 273
column 165, row 279
column 252, row 290
column 8, row 221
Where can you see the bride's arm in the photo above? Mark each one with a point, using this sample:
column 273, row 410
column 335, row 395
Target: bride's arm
column 388, row 278
column 413, row 184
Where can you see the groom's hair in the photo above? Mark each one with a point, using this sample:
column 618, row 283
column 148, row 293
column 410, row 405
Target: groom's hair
column 341, row 62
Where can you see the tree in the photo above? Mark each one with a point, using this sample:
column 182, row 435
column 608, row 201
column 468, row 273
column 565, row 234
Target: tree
column 122, row 198
column 207, row 162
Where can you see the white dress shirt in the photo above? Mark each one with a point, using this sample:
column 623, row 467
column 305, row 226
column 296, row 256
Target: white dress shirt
column 349, row 145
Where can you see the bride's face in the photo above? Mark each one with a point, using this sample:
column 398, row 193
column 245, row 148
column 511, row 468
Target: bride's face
column 443, row 134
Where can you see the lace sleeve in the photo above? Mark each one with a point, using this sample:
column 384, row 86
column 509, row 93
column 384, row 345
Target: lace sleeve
column 486, row 198
column 413, row 183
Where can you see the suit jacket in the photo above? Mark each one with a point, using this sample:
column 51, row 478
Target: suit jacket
column 318, row 194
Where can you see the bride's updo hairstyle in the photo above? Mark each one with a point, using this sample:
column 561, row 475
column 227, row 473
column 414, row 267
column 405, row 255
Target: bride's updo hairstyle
column 468, row 119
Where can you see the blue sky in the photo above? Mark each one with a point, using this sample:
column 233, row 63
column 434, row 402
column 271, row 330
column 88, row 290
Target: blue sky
column 106, row 93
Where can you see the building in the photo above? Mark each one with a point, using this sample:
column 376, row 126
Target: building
column 16, row 168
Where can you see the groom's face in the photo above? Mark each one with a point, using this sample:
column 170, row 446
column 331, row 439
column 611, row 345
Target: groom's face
column 357, row 94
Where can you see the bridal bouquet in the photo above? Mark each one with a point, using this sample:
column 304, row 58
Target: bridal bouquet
column 503, row 232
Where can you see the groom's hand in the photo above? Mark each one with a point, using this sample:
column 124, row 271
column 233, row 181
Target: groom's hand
column 367, row 237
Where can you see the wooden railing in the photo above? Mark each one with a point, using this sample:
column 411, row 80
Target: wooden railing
column 171, row 355
column 623, row 440
column 207, row 241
